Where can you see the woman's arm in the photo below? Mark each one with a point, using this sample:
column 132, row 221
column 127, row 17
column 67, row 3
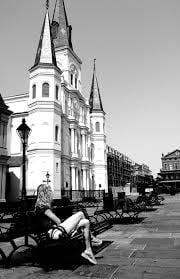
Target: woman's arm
column 52, row 216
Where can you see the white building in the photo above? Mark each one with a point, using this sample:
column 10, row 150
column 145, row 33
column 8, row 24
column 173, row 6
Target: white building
column 68, row 132
column 4, row 117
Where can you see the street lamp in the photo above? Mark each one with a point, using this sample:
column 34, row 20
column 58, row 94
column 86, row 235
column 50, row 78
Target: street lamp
column 24, row 131
column 47, row 178
column 99, row 190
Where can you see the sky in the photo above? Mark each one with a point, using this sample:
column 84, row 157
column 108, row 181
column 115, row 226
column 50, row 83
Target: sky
column 136, row 44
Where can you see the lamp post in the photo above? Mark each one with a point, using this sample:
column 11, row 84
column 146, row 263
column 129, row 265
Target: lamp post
column 99, row 190
column 24, row 131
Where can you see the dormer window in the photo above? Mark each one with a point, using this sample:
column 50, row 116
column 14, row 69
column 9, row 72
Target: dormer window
column 54, row 29
column 45, row 89
column 34, row 91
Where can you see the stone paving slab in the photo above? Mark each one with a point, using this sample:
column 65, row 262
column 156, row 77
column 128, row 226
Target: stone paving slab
column 157, row 254
column 101, row 271
column 120, row 261
column 32, row 273
column 155, row 241
column 152, row 235
column 163, row 263
column 144, row 272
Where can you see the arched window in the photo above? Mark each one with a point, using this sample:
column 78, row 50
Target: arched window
column 34, row 91
column 57, row 92
column 45, row 89
column 56, row 133
column 73, row 76
column 97, row 127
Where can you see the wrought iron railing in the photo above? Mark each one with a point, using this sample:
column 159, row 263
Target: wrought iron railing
column 83, row 195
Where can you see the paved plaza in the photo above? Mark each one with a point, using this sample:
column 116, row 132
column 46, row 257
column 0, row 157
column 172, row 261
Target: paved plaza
column 149, row 249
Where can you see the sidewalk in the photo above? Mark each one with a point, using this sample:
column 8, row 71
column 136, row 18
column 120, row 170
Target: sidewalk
column 147, row 250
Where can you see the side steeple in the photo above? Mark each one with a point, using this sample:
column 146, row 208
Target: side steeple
column 45, row 52
column 61, row 30
column 95, row 97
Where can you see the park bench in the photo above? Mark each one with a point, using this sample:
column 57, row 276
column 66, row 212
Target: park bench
column 14, row 223
column 119, row 207
column 147, row 201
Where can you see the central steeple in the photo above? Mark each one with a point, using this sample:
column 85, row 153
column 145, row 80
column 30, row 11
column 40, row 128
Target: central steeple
column 61, row 30
column 45, row 52
column 95, row 97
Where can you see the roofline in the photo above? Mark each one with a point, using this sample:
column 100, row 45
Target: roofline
column 21, row 96
column 45, row 66
column 97, row 111
column 170, row 153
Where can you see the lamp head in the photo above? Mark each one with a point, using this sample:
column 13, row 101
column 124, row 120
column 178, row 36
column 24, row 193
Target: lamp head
column 47, row 176
column 23, row 131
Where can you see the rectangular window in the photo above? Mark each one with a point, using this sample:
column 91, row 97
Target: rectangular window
column 71, row 79
column 57, row 92
column 57, row 167
column 75, row 82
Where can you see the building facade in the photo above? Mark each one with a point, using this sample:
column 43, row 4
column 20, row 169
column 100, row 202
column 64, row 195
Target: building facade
column 169, row 175
column 142, row 177
column 4, row 117
column 68, row 131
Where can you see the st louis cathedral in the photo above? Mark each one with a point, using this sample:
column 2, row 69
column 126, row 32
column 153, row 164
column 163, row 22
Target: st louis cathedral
column 68, row 131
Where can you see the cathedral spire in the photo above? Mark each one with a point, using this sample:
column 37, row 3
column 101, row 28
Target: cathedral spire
column 2, row 103
column 95, row 97
column 61, row 30
column 47, row 4
column 45, row 52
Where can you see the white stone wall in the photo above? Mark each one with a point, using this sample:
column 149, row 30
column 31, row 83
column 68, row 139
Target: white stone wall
column 18, row 103
column 99, row 153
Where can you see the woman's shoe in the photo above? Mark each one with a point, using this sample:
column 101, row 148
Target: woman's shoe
column 96, row 242
column 89, row 256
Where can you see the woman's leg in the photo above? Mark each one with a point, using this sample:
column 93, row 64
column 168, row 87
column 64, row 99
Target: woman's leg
column 72, row 223
column 76, row 221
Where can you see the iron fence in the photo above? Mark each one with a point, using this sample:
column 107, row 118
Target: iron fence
column 83, row 195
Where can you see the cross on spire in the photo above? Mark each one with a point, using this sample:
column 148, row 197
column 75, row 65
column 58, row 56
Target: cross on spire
column 94, row 64
column 47, row 4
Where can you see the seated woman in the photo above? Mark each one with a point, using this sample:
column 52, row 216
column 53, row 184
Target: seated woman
column 68, row 226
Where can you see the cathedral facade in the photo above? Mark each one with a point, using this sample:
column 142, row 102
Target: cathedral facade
column 67, row 137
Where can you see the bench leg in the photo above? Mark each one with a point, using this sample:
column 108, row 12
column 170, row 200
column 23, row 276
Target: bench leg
column 7, row 259
column 3, row 255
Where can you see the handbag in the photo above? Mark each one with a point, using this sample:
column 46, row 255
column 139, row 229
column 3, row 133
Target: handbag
column 57, row 232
